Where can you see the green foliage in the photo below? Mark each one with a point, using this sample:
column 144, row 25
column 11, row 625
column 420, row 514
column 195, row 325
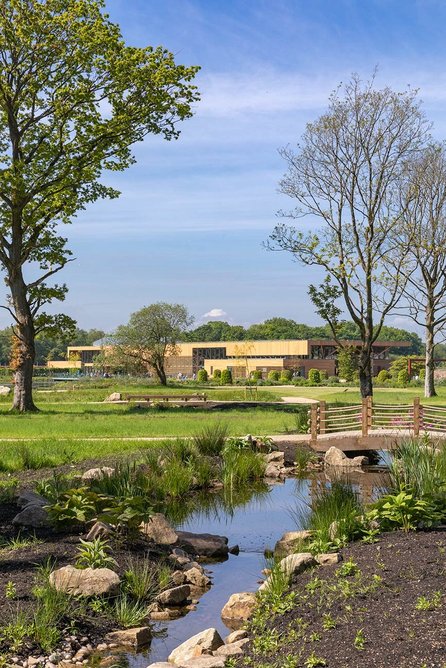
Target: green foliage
column 211, row 439
column 94, row 554
column 129, row 613
column 419, row 466
column 313, row 661
column 347, row 359
column 273, row 375
column 74, row 507
column 347, row 569
column 314, row 376
column 433, row 603
column 144, row 579
column 404, row 510
column 401, row 364
column 226, row 377
column 8, row 489
column 286, row 376
column 360, row 639
column 256, row 375
column 15, row 632
column 403, row 377
column 382, row 376
column 10, row 590
column 126, row 514
column 202, row 376
column 333, row 380
column 217, row 374
column 240, row 465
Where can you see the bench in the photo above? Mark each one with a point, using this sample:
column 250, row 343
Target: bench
column 149, row 398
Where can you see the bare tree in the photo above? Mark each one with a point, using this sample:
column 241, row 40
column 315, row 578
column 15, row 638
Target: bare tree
column 346, row 174
column 423, row 234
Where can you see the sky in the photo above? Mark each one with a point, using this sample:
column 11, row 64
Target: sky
column 194, row 214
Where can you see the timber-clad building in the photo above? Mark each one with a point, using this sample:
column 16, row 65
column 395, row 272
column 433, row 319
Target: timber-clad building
column 243, row 357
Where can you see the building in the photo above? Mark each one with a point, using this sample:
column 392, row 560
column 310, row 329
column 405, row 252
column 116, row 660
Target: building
column 243, row 357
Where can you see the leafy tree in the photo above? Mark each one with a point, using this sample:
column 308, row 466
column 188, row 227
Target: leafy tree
column 347, row 360
column 226, row 377
column 73, row 100
column 347, row 174
column 216, row 330
column 402, row 364
column 152, row 335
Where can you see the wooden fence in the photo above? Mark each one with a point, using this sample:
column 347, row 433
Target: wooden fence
column 369, row 417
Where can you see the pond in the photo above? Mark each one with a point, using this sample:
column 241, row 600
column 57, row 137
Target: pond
column 254, row 522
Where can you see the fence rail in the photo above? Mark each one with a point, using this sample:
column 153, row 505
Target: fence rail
column 369, row 417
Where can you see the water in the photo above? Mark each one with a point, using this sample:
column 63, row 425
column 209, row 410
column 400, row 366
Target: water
column 254, row 526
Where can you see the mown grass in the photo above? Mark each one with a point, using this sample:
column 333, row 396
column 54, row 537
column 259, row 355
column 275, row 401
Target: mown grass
column 351, row 395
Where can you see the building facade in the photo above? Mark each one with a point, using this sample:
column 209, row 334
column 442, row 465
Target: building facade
column 244, row 357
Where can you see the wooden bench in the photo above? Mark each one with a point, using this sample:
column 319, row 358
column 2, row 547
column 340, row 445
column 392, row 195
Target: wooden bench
column 149, row 398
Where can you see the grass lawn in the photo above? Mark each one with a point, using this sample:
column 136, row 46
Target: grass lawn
column 351, row 395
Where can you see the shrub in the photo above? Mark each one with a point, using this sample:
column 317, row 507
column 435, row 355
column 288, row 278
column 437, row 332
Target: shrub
column 202, row 376
column 274, row 376
column 211, row 439
column 405, row 510
column 256, row 375
column 8, row 490
column 333, row 380
column 129, row 613
column 382, row 376
column 418, row 466
column 94, row 554
column 141, row 579
column 226, row 377
column 240, row 465
column 217, row 374
column 323, row 375
column 286, row 376
column 314, row 376
column 403, row 377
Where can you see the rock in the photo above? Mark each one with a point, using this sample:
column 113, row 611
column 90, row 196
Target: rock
column 204, row 662
column 202, row 643
column 276, row 457
column 160, row 664
column 4, row 390
column 231, row 649
column 114, row 396
column 289, row 541
column 241, row 634
column 27, row 497
column 238, row 608
column 291, row 565
column 196, row 577
column 34, row 516
column 159, row 530
column 174, row 596
column 328, row 559
column 335, row 457
column 85, row 582
column 99, row 530
column 234, row 549
column 164, row 615
column 96, row 474
column 178, row 578
column 273, row 470
column 203, row 544
column 137, row 637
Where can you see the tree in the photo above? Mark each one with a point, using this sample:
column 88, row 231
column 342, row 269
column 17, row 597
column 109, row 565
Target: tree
column 73, row 100
column 346, row 174
column 152, row 335
column 423, row 233
column 347, row 359
column 216, row 330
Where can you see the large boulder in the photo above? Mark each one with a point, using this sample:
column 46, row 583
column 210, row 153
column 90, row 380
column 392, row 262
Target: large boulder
column 289, row 542
column 238, row 609
column 85, row 582
column 231, row 649
column 174, row 596
column 203, row 544
column 137, row 638
column 27, row 496
column 291, row 565
column 196, row 577
column 159, row 530
column 33, row 516
column 204, row 642
column 204, row 662
column 335, row 457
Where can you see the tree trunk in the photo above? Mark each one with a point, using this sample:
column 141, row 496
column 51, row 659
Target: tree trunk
column 25, row 350
column 365, row 373
column 429, row 386
column 161, row 374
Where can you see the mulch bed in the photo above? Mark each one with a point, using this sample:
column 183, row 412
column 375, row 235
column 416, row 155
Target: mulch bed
column 396, row 634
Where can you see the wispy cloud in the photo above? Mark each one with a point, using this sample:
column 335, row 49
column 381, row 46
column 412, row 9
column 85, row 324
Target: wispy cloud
column 215, row 313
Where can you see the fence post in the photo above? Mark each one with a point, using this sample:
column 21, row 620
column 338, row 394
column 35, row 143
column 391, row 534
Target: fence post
column 313, row 421
column 416, row 416
column 322, row 416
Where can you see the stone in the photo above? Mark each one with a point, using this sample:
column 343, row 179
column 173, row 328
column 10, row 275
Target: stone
column 28, row 497
column 4, row 390
column 328, row 559
column 273, row 470
column 159, row 530
column 174, row 596
column 291, row 565
column 335, row 457
column 196, row 577
column 137, row 637
column 276, row 457
column 99, row 530
column 204, row 662
column 85, row 582
column 204, row 642
column 114, row 396
column 238, row 608
column 231, row 649
column 203, row 544
column 34, row 516
column 160, row 664
column 234, row 549
column 287, row 544
column 241, row 634
column 178, row 578
column 97, row 473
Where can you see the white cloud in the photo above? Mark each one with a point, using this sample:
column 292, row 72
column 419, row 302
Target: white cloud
column 215, row 313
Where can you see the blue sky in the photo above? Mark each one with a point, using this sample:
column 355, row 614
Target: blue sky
column 193, row 214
